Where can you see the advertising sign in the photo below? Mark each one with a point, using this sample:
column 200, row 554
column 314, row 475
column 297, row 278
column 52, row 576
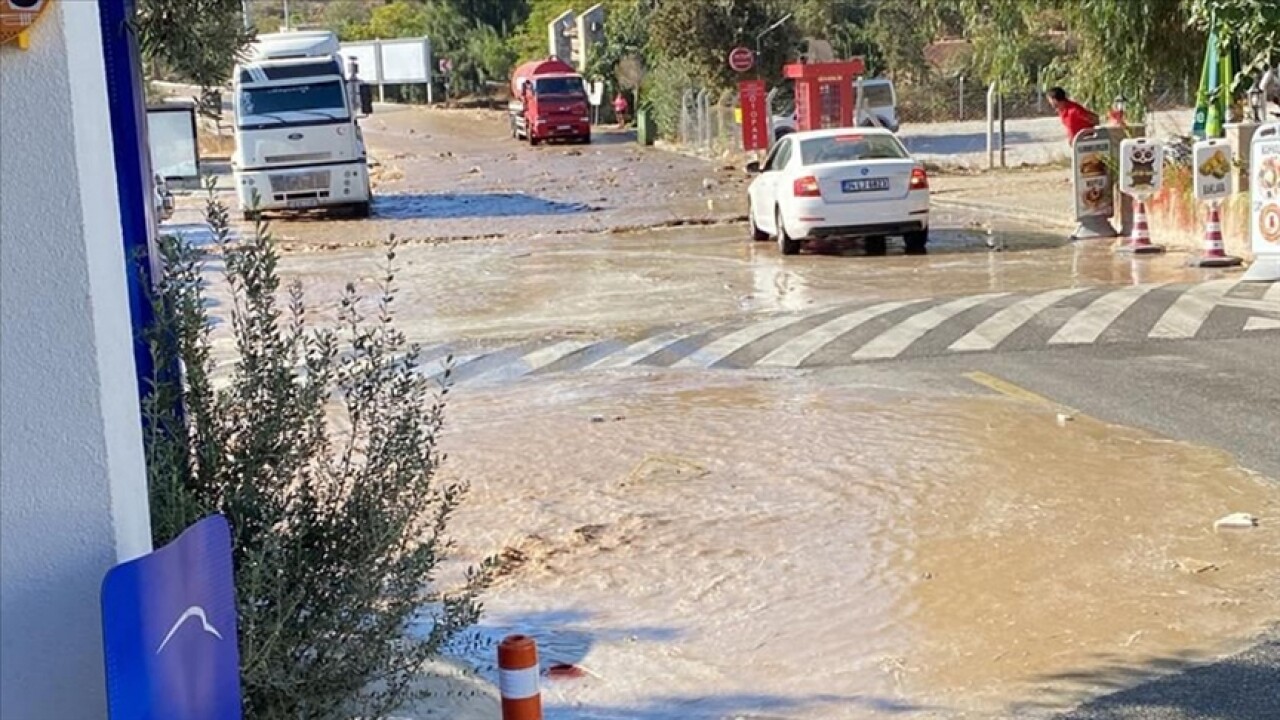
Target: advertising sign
column 1141, row 166
column 1264, row 164
column 169, row 630
column 1094, row 185
column 755, row 114
column 1213, row 168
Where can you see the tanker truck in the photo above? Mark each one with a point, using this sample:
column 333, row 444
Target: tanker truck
column 549, row 102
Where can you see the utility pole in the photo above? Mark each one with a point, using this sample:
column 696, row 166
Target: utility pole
column 760, row 38
column 244, row 11
column 287, row 24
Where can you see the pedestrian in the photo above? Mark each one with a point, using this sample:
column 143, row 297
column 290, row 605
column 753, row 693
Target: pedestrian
column 1075, row 117
column 620, row 108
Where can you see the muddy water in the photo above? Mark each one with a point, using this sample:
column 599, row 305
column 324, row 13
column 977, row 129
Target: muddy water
column 765, row 546
column 610, row 284
column 459, row 174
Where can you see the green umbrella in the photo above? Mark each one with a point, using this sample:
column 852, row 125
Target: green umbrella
column 1208, row 76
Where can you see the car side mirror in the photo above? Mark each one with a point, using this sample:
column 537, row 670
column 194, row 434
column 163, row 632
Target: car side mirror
column 753, row 167
column 366, row 99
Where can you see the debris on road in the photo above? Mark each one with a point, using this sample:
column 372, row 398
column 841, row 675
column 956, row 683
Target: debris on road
column 1236, row 521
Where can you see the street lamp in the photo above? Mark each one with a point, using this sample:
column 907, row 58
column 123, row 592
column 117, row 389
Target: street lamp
column 768, row 30
column 1257, row 103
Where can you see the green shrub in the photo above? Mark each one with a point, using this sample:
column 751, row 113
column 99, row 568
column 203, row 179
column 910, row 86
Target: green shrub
column 663, row 93
column 320, row 447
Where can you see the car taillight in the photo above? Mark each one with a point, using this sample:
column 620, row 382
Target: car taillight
column 919, row 179
column 806, row 187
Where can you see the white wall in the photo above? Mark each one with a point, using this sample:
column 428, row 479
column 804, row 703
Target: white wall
column 72, row 485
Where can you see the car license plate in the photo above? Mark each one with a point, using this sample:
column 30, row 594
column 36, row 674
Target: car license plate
column 564, row 127
column 864, row 185
column 303, row 203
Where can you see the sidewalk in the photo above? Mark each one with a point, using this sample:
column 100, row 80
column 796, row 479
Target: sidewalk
column 1039, row 195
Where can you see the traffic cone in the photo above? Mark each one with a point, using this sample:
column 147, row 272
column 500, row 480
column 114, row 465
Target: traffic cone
column 1214, row 255
column 1140, row 239
column 518, row 678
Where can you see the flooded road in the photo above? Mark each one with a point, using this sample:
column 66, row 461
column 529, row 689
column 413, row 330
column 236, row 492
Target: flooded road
column 848, row 547
column 618, row 283
column 752, row 525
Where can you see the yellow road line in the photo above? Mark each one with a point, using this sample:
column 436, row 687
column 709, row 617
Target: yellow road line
column 1004, row 387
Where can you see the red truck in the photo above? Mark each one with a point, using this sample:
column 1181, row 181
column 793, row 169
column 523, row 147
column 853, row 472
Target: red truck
column 549, row 102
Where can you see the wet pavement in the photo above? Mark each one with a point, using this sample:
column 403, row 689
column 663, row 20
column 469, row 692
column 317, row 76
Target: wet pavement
column 734, row 532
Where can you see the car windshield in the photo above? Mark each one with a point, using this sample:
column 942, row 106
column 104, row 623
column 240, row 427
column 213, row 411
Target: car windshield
column 559, row 86
column 879, row 95
column 849, row 148
column 324, row 97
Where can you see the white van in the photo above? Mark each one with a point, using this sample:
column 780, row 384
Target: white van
column 877, row 107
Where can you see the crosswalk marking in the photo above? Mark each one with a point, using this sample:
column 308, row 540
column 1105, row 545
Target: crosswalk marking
column 1258, row 323
column 436, row 367
column 636, row 351
column 1184, row 318
column 1273, row 293
column 535, row 360
column 996, row 328
column 893, row 341
column 733, row 342
column 797, row 350
column 1086, row 325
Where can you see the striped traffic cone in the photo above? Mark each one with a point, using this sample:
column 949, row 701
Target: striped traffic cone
column 1140, row 239
column 1214, row 255
column 518, row 678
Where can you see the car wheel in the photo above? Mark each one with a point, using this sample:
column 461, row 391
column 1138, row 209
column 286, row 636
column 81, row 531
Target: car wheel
column 877, row 246
column 533, row 140
column 917, row 242
column 756, row 233
column 360, row 209
column 786, row 244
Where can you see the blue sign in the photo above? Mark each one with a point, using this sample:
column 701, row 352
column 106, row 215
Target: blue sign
column 169, row 628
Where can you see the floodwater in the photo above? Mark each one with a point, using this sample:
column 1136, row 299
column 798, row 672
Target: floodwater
column 611, row 284
column 847, row 546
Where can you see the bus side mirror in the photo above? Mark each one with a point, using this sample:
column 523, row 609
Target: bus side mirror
column 366, row 99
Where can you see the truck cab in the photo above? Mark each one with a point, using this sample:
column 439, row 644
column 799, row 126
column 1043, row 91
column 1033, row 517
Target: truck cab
column 549, row 102
column 298, row 140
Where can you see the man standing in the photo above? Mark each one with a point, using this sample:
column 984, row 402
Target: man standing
column 1075, row 117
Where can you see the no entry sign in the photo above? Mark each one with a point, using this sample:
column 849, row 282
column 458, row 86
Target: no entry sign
column 741, row 59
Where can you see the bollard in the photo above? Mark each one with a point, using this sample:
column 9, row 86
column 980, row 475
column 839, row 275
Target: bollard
column 518, row 678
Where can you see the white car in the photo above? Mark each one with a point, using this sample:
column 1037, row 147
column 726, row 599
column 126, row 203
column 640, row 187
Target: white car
column 853, row 182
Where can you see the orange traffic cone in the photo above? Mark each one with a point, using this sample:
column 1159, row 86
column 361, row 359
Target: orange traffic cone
column 1140, row 239
column 1214, row 255
column 518, row 678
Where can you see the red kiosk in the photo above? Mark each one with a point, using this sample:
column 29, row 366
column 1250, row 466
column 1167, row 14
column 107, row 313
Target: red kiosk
column 824, row 92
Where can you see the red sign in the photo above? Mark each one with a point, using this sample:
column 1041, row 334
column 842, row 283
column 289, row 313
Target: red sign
column 752, row 98
column 741, row 59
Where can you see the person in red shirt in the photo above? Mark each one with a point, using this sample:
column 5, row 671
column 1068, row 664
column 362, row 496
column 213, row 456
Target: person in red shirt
column 1075, row 117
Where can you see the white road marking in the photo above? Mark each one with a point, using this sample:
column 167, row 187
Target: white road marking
column 893, row 341
column 1185, row 316
column 535, row 360
column 996, row 328
column 1257, row 323
column 796, row 351
column 636, row 352
column 1085, row 326
column 436, row 367
column 723, row 347
column 1273, row 293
